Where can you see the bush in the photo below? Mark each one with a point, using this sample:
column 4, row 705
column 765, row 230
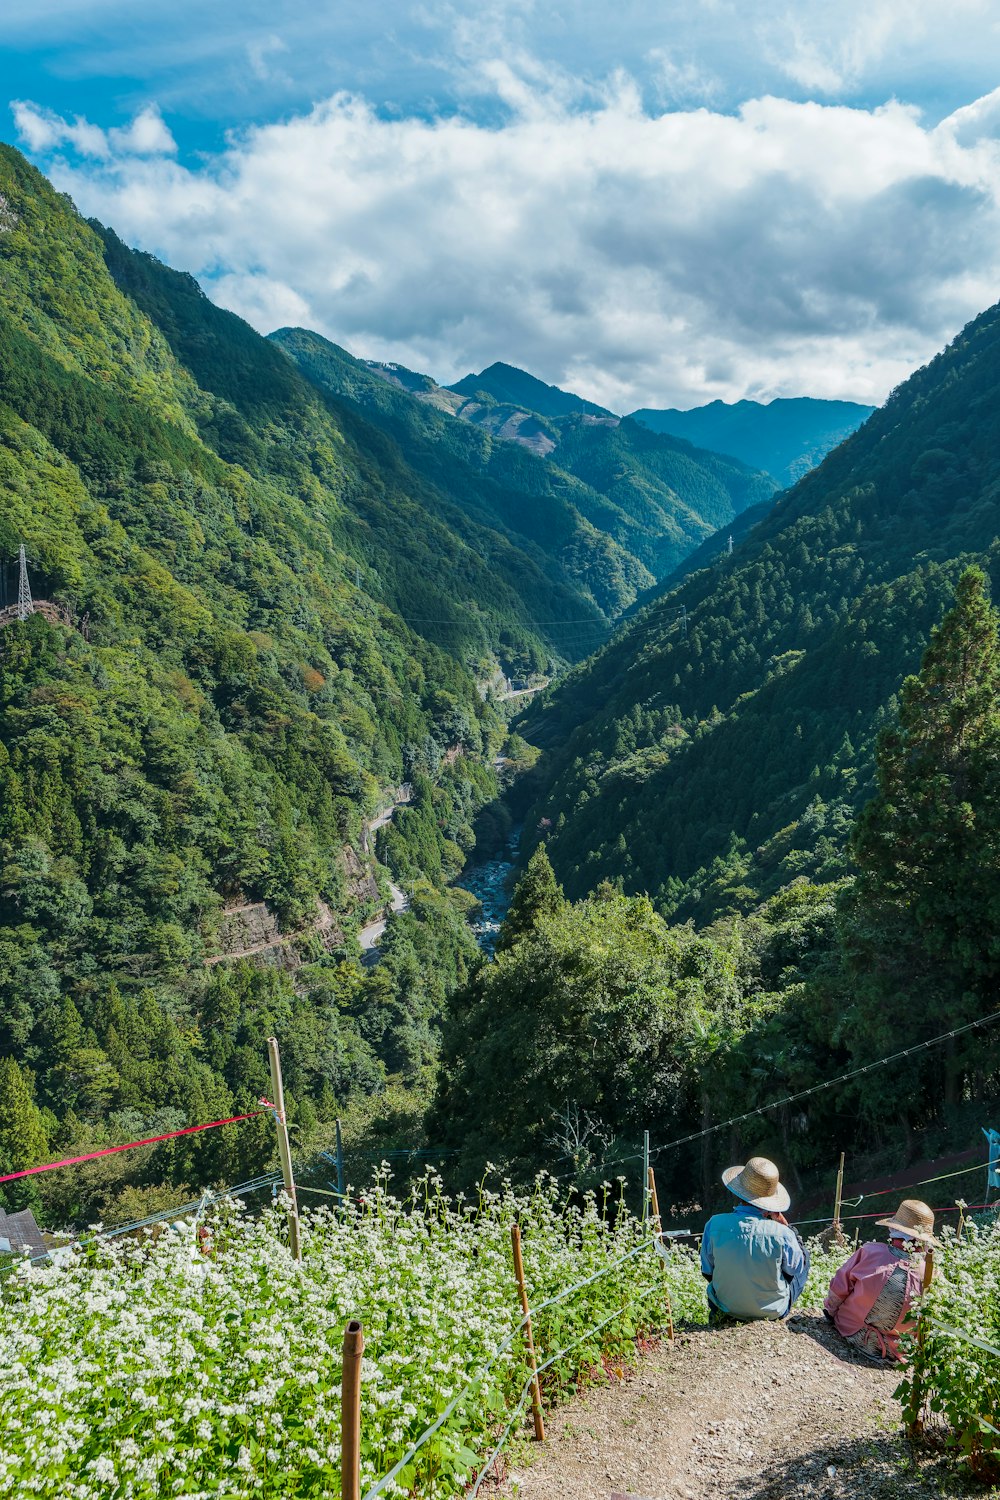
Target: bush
column 953, row 1367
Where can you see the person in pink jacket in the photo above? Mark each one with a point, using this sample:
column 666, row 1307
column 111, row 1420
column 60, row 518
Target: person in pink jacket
column 869, row 1298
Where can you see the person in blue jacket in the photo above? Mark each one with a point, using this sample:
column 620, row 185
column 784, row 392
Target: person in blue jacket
column 754, row 1262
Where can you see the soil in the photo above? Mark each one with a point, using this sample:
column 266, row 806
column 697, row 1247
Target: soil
column 756, row 1411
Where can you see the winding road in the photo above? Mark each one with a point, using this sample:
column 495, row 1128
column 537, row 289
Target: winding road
column 370, row 935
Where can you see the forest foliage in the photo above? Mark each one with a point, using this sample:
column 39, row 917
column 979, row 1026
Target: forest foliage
column 722, row 742
column 236, row 690
column 598, row 1020
column 608, row 500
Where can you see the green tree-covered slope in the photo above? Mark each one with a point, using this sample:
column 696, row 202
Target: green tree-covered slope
column 786, row 437
column 577, row 538
column 780, row 1031
column 711, row 761
column 233, row 685
column 657, row 497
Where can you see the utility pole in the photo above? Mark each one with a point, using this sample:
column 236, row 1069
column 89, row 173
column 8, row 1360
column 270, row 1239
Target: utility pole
column 25, row 606
column 729, row 549
column 284, row 1150
column 682, row 615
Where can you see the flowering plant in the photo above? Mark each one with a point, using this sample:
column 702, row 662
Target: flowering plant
column 953, row 1360
column 209, row 1366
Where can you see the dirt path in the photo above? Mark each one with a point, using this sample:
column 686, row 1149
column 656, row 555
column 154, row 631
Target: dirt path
column 759, row 1411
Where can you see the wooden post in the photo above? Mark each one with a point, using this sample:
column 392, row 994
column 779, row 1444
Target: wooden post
column 915, row 1424
column 284, row 1151
column 960, row 1205
column 840, row 1192
column 350, row 1412
column 340, row 1163
column 651, row 1178
column 529, row 1338
column 658, row 1225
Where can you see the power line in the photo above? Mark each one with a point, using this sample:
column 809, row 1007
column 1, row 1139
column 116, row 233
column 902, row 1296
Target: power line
column 830, row 1083
column 495, row 621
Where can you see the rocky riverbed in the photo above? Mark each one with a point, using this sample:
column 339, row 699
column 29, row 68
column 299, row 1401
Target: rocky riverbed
column 492, row 883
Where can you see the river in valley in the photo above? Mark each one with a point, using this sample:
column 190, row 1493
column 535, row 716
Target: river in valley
column 492, row 883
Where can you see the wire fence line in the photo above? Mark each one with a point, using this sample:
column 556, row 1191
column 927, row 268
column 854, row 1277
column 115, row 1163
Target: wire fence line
column 380, row 1485
column 195, row 1205
column 526, row 1388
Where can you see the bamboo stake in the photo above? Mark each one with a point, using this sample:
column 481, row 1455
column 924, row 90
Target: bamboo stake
column 529, row 1338
column 284, row 1151
column 350, row 1412
column 658, row 1222
column 840, row 1192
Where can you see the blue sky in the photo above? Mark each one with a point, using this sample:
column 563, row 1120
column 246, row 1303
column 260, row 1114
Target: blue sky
column 656, row 203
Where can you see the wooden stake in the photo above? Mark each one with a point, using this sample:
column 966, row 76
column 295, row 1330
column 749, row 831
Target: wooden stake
column 840, row 1191
column 658, row 1225
column 653, row 1198
column 350, row 1412
column 961, row 1218
column 529, row 1338
column 284, row 1150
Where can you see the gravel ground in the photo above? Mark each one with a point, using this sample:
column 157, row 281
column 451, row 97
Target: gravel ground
column 756, row 1411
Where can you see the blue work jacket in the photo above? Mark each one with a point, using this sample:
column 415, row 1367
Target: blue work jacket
column 756, row 1267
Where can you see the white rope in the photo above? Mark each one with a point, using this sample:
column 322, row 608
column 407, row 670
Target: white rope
column 830, row 1083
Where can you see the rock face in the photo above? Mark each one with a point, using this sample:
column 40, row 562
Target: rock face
column 251, row 931
column 361, row 884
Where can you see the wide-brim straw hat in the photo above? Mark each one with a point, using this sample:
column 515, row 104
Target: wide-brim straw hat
column 758, row 1183
column 912, row 1220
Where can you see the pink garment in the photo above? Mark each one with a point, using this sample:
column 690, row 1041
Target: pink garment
column 855, row 1289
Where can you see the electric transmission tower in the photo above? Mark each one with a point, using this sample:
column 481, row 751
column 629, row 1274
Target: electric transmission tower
column 25, row 606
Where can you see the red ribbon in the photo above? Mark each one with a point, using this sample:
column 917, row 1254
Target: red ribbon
column 153, row 1140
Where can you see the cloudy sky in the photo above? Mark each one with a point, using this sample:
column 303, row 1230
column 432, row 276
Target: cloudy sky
column 654, row 203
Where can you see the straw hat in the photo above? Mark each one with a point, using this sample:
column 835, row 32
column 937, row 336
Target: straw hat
column 757, row 1183
column 912, row 1220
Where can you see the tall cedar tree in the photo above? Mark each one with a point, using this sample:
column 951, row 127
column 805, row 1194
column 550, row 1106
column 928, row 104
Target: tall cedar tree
column 538, row 895
column 22, row 1134
column 925, row 924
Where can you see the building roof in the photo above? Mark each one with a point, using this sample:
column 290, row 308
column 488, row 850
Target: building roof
column 21, row 1233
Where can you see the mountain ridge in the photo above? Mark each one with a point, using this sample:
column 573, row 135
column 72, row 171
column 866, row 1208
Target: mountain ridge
column 711, row 767
column 785, row 437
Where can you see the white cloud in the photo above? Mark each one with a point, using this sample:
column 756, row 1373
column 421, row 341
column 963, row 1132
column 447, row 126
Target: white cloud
column 788, row 248
column 146, row 136
column 259, row 53
column 43, row 131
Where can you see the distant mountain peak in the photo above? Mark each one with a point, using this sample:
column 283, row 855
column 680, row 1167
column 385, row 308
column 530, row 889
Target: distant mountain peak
column 513, row 387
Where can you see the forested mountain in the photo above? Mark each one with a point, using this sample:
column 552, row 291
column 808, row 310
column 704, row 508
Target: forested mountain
column 720, row 744
column 573, row 532
column 784, row 1030
column 656, row 497
column 786, row 437
column 222, row 687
